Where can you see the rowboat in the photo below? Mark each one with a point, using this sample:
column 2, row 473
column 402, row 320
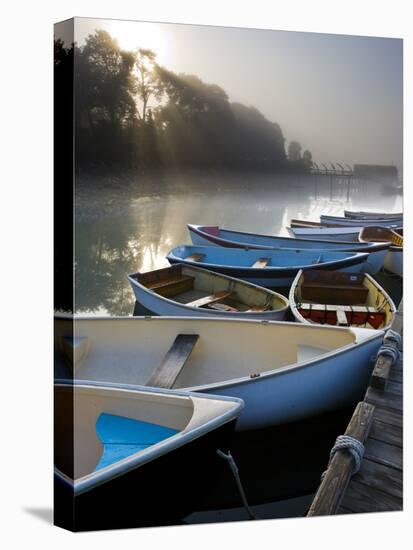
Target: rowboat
column 322, row 233
column 372, row 215
column 118, row 444
column 345, row 299
column 196, row 292
column 271, row 267
column 282, row 371
column 342, row 221
column 393, row 261
column 215, row 236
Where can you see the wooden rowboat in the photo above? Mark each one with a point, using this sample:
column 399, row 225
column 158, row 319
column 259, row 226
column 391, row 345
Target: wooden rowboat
column 115, row 444
column 393, row 260
column 372, row 215
column 345, row 299
column 282, row 371
column 190, row 290
column 269, row 268
column 215, row 236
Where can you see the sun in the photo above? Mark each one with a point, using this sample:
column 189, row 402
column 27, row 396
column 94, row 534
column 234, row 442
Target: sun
column 133, row 35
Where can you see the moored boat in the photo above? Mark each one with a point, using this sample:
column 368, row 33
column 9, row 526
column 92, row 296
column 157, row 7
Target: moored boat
column 193, row 291
column 348, row 234
column 344, row 299
column 393, row 261
column 216, row 236
column 271, row 267
column 374, row 215
column 342, row 221
column 283, row 371
column 117, row 444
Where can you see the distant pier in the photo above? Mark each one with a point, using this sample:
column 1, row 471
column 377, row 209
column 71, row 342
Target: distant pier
column 377, row 423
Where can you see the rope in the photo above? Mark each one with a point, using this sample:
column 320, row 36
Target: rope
column 353, row 446
column 393, row 336
column 234, row 469
column 390, row 347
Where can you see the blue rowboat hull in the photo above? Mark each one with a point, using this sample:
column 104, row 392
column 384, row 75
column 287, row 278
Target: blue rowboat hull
column 284, row 264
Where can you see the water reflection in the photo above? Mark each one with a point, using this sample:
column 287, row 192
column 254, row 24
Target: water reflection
column 131, row 225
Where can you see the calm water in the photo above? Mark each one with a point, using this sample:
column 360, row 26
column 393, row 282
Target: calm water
column 126, row 225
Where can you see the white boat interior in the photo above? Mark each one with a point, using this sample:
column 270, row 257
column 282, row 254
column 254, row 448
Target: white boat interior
column 140, row 350
column 104, row 426
column 338, row 298
column 200, row 288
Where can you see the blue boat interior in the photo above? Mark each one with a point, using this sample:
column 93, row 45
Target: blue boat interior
column 122, row 437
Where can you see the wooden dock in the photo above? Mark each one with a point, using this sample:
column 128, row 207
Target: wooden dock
column 377, row 422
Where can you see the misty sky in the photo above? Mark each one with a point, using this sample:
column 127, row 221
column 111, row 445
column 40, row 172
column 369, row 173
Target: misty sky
column 339, row 96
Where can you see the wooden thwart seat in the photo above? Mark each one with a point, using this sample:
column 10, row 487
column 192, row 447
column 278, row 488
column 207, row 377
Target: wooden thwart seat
column 261, row 262
column 195, row 257
column 174, row 286
column 330, row 307
column 210, row 299
column 174, row 361
column 168, row 281
column 343, row 315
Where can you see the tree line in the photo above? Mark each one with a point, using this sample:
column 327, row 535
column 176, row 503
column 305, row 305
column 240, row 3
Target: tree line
column 131, row 110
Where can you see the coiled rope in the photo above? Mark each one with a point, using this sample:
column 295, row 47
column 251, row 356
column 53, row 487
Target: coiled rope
column 353, row 446
column 391, row 344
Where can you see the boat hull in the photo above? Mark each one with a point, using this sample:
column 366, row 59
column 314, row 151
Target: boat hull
column 281, row 276
column 296, row 393
column 372, row 215
column 346, row 222
column 393, row 261
column 326, row 233
column 152, row 495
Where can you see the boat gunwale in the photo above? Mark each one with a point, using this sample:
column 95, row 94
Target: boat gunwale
column 142, row 457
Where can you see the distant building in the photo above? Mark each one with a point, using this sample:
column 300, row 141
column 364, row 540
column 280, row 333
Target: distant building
column 376, row 172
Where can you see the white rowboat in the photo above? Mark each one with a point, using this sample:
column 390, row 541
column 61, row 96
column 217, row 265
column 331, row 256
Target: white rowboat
column 344, row 299
column 283, row 371
column 196, row 292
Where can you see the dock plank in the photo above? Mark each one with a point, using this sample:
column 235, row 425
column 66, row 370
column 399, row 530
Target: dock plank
column 387, row 400
column 395, row 418
column 388, row 433
column 361, row 498
column 381, row 477
column 384, row 453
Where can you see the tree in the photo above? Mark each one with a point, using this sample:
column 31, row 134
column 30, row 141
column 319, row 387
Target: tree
column 307, row 159
column 105, row 107
column 148, row 83
column 294, row 151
